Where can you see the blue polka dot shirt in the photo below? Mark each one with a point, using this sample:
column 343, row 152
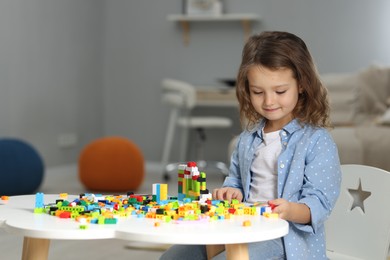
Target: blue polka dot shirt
column 308, row 172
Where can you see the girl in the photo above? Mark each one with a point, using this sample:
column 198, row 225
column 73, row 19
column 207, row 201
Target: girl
column 285, row 155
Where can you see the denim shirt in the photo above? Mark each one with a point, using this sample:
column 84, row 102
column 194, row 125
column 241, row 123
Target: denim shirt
column 308, row 172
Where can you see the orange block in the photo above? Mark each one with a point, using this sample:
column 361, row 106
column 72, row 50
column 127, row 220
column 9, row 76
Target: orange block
column 4, row 198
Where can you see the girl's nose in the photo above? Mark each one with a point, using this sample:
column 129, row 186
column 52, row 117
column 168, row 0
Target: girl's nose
column 268, row 99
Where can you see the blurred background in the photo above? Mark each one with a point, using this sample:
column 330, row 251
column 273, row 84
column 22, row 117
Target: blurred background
column 73, row 71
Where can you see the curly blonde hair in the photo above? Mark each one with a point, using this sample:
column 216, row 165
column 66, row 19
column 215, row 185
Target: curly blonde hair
column 276, row 50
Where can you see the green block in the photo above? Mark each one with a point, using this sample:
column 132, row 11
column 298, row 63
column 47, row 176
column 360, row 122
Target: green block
column 110, row 221
column 235, row 201
column 101, row 220
column 95, row 214
column 39, row 210
column 197, row 186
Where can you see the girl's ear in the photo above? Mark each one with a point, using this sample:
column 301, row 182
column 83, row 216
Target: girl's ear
column 300, row 89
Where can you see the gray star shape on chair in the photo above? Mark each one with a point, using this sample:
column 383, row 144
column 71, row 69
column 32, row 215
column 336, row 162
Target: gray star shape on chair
column 359, row 196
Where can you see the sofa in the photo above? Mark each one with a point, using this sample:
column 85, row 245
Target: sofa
column 360, row 114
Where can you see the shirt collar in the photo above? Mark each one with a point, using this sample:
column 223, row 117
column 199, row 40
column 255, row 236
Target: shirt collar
column 291, row 127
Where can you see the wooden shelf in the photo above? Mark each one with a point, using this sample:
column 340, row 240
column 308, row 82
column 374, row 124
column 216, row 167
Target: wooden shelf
column 185, row 20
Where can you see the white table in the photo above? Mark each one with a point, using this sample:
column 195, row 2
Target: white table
column 17, row 217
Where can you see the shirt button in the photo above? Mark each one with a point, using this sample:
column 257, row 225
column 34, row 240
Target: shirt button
column 285, row 143
column 282, row 165
column 284, row 133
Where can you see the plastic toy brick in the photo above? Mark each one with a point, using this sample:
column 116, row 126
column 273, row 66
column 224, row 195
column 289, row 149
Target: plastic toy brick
column 110, row 221
column 193, row 204
column 272, row 205
column 83, row 226
column 63, row 195
column 271, row 215
column 39, row 200
column 65, row 214
column 246, row 223
column 39, row 210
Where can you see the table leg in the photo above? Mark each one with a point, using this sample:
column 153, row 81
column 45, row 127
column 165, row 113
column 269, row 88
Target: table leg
column 237, row 251
column 213, row 250
column 35, row 248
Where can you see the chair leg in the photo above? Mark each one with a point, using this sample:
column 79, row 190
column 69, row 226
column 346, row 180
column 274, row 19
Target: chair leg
column 184, row 144
column 201, row 162
column 168, row 142
column 200, row 144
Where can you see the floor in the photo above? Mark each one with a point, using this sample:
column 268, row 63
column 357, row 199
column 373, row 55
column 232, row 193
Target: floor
column 65, row 179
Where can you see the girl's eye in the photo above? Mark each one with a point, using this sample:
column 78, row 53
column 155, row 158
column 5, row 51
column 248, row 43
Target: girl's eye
column 280, row 92
column 257, row 92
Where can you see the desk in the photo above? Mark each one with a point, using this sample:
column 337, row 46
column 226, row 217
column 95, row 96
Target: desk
column 17, row 217
column 216, row 97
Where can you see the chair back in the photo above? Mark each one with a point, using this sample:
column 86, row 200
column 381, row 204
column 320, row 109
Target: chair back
column 359, row 225
column 178, row 93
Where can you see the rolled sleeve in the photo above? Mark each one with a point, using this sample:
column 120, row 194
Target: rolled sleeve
column 321, row 181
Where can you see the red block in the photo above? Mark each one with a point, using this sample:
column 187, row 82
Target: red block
column 65, row 214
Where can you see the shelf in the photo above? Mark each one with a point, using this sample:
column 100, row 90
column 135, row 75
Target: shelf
column 185, row 20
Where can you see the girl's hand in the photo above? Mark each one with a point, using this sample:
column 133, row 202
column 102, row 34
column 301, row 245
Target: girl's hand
column 280, row 206
column 227, row 193
column 291, row 211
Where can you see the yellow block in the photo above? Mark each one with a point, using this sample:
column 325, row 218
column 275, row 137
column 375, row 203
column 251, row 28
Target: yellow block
column 270, row 215
column 163, row 191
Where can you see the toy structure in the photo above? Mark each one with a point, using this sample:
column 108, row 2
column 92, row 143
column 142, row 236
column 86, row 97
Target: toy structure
column 192, row 183
column 193, row 203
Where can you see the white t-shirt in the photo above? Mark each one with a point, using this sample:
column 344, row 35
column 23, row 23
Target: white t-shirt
column 264, row 169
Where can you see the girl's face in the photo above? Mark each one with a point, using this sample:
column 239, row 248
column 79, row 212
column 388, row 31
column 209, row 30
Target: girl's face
column 274, row 95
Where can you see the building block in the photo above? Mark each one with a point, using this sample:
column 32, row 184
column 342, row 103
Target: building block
column 246, row 223
column 194, row 203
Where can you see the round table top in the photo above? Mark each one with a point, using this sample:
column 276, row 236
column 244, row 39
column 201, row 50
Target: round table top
column 17, row 216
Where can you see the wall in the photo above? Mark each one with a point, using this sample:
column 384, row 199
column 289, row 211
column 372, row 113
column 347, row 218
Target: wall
column 143, row 47
column 51, row 74
column 94, row 67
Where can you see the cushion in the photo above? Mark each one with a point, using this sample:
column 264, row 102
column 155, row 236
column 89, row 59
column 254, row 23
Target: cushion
column 352, row 95
column 385, row 118
column 21, row 167
column 375, row 89
column 112, row 164
column 343, row 91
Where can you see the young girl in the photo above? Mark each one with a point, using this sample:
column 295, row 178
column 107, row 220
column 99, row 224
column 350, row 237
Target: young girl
column 285, row 155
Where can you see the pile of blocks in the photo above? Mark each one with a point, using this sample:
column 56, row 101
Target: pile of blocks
column 193, row 203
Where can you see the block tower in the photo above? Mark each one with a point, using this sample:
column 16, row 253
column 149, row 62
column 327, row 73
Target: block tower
column 192, row 183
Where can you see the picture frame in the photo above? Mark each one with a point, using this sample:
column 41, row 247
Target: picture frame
column 202, row 7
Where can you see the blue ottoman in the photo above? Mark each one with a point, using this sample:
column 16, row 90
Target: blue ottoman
column 21, row 167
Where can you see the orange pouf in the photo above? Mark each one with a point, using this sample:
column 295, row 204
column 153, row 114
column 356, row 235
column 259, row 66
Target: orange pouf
column 111, row 164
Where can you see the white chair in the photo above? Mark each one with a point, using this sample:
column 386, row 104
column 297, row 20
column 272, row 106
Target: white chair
column 181, row 97
column 359, row 226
